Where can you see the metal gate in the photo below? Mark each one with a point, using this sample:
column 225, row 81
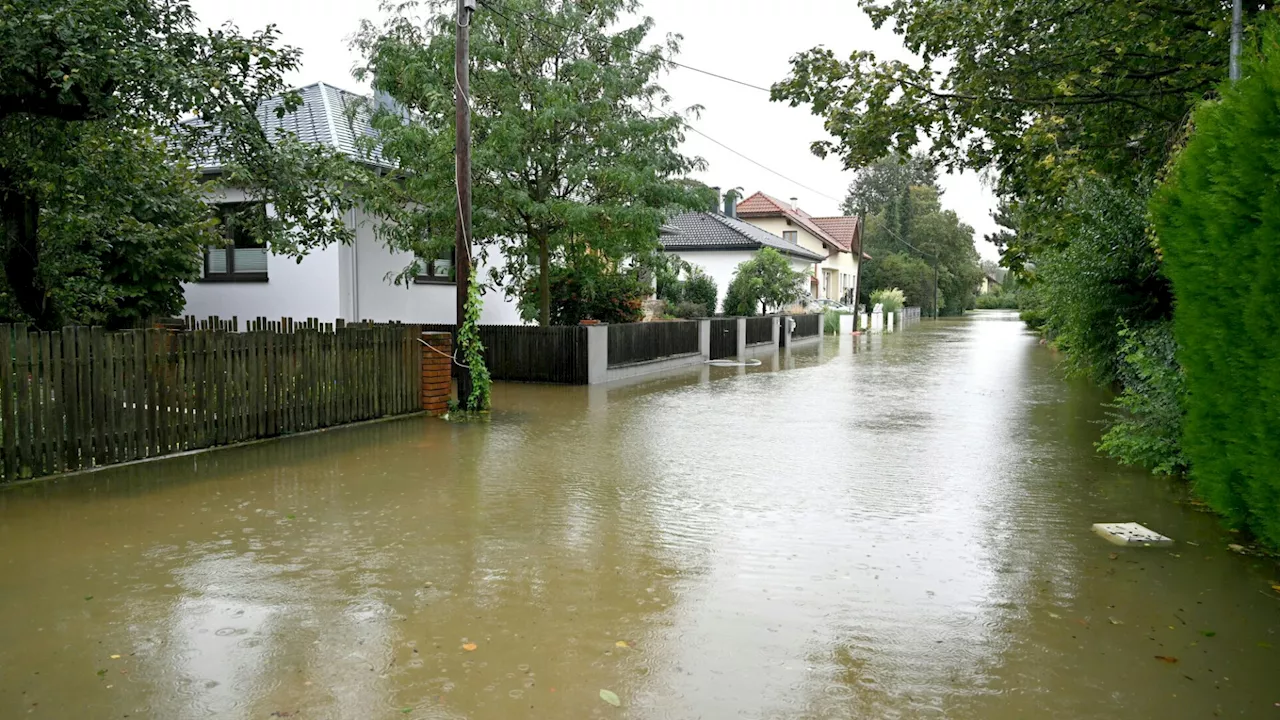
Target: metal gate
column 724, row 338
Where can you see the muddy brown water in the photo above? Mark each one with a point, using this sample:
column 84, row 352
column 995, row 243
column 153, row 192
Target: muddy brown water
column 895, row 527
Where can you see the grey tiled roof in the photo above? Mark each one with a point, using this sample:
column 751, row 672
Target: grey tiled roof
column 327, row 116
column 713, row 231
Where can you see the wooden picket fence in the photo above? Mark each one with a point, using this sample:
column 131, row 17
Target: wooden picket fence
column 85, row 397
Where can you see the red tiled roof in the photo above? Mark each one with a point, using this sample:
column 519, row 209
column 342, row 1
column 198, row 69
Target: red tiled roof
column 844, row 228
column 761, row 205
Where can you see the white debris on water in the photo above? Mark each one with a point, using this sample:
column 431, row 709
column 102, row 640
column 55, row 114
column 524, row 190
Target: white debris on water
column 1130, row 534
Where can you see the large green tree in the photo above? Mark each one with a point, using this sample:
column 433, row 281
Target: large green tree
column 106, row 109
column 572, row 143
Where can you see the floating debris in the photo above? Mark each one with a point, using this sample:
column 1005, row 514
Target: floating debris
column 1130, row 534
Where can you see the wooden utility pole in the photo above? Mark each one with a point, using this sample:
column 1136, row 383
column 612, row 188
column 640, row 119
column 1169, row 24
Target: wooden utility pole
column 462, row 153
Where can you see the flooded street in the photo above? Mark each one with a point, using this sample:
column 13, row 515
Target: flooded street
column 892, row 527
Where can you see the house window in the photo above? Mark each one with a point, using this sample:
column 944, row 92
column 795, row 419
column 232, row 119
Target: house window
column 439, row 269
column 789, row 235
column 243, row 256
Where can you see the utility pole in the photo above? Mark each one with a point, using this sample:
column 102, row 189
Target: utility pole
column 1237, row 29
column 462, row 153
column 935, row 287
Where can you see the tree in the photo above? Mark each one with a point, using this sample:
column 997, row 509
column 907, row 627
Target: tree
column 106, row 108
column 701, row 289
column 1040, row 92
column 1216, row 221
column 572, row 144
column 765, row 281
column 886, row 181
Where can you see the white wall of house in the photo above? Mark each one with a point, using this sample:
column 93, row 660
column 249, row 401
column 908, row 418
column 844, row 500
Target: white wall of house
column 351, row 282
column 370, row 292
column 722, row 265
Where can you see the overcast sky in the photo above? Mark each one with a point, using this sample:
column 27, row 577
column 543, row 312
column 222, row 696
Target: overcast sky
column 751, row 40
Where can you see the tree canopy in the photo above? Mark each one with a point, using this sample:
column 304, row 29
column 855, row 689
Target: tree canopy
column 572, row 141
column 107, row 108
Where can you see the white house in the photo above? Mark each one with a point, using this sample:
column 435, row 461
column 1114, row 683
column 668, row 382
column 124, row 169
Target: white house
column 838, row 239
column 719, row 243
column 351, row 282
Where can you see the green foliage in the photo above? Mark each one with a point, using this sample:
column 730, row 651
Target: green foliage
column 589, row 292
column 700, row 289
column 763, row 282
column 892, row 299
column 903, row 239
column 1105, row 279
column 831, row 321
column 1041, row 93
column 1148, row 430
column 998, row 301
column 472, row 350
column 1217, row 223
column 106, row 106
column 688, row 310
column 571, row 145
column 880, row 185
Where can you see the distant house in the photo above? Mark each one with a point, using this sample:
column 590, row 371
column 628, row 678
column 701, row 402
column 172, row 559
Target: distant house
column 719, row 243
column 351, row 282
column 837, row 239
column 988, row 285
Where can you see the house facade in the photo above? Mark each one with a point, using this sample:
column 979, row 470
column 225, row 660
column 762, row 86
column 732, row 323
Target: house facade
column 351, row 282
column 837, row 239
column 719, row 243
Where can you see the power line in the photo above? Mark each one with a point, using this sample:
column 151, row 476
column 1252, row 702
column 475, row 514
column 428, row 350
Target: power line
column 633, row 51
column 684, row 122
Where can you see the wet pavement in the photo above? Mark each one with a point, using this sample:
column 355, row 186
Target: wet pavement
column 882, row 527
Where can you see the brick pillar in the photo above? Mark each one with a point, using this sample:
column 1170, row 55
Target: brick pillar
column 437, row 371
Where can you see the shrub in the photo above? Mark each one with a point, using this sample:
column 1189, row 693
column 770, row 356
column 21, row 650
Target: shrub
column 700, row 289
column 688, row 310
column 998, row 301
column 762, row 282
column 1148, row 431
column 892, row 299
column 1217, row 225
column 608, row 296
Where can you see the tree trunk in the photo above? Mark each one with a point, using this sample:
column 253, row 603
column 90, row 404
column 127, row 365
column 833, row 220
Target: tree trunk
column 544, row 282
column 20, row 216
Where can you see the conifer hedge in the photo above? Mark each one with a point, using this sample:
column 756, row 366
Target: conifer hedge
column 1217, row 219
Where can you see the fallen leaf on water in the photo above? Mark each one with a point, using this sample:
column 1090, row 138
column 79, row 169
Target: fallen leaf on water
column 1166, row 658
column 1115, row 621
column 611, row 698
column 88, row 598
column 622, row 643
column 102, row 673
column 1276, row 588
column 1082, row 621
column 1264, row 645
column 282, row 713
column 1208, row 633
column 115, row 657
column 469, row 647
column 1113, row 556
column 406, row 711
column 1233, row 547
column 289, row 516
column 1055, row 616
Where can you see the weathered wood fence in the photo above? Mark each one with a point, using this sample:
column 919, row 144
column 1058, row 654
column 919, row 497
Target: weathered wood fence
column 760, row 329
column 85, row 397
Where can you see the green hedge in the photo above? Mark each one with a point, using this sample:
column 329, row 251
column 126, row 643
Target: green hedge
column 1217, row 218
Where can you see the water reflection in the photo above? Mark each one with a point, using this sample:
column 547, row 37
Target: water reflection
column 877, row 526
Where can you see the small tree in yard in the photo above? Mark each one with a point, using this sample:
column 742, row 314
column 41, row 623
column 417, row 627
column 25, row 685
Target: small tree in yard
column 762, row 282
column 106, row 107
column 570, row 139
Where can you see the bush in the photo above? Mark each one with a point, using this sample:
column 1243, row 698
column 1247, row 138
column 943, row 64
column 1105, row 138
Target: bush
column 762, row 282
column 1106, row 277
column 700, row 289
column 1148, row 431
column 686, row 310
column 608, row 296
column 892, row 299
column 998, row 301
column 1217, row 225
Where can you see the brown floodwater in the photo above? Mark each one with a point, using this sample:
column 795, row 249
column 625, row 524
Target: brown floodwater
column 888, row 527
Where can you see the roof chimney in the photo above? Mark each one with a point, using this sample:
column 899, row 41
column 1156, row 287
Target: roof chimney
column 794, row 206
column 731, row 204
column 715, row 201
